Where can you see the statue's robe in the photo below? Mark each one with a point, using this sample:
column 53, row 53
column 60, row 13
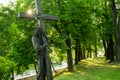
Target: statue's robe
column 40, row 44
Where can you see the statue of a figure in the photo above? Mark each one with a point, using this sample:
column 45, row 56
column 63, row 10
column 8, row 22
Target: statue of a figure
column 40, row 44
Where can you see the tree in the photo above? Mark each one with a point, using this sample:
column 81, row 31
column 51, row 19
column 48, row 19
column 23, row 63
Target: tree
column 116, row 22
column 103, row 15
column 62, row 27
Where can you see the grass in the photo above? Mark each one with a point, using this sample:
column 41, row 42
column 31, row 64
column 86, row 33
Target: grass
column 91, row 69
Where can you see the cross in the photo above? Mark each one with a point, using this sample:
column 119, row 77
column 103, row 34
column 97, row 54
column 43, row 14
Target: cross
column 39, row 16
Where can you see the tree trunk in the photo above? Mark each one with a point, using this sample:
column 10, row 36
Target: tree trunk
column 83, row 53
column 118, row 42
column 89, row 54
column 69, row 53
column 12, row 72
column 109, row 52
column 90, row 51
column 76, row 55
column 95, row 50
column 111, row 49
column 116, row 29
column 78, row 52
column 105, row 47
column 69, row 56
column 107, row 55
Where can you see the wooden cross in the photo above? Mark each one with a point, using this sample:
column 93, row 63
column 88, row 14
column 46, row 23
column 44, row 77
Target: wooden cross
column 40, row 17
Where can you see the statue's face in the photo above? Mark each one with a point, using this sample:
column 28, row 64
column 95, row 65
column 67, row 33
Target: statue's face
column 39, row 31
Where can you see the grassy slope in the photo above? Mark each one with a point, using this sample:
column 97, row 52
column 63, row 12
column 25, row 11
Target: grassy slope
column 92, row 69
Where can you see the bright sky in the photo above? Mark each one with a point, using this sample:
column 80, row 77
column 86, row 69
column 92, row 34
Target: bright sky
column 5, row 2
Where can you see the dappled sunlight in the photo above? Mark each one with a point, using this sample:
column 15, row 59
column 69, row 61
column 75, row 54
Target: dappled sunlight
column 114, row 66
column 67, row 73
column 92, row 69
column 92, row 62
column 81, row 72
column 97, row 63
column 111, row 65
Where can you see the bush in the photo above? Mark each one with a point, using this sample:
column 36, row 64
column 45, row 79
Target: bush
column 5, row 68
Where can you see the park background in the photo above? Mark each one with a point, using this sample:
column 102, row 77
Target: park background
column 85, row 29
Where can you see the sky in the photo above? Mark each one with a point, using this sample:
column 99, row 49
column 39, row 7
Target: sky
column 5, row 2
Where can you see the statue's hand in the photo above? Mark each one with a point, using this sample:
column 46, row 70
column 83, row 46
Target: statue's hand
column 45, row 45
column 41, row 47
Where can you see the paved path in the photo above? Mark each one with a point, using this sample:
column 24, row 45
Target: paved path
column 30, row 75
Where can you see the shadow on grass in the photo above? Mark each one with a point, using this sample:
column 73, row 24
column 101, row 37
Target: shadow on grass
column 60, row 72
column 91, row 69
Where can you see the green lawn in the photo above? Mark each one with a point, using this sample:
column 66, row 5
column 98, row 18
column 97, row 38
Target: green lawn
column 92, row 69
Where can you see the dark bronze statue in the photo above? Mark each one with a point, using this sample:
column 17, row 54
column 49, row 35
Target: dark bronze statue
column 40, row 44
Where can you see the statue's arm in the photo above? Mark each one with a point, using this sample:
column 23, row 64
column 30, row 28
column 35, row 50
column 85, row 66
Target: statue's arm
column 36, row 44
column 45, row 42
column 45, row 45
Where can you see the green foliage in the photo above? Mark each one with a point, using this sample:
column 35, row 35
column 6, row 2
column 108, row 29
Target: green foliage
column 104, row 15
column 5, row 68
column 77, row 19
column 57, row 55
column 16, row 37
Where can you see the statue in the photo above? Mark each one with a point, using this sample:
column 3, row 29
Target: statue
column 40, row 44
